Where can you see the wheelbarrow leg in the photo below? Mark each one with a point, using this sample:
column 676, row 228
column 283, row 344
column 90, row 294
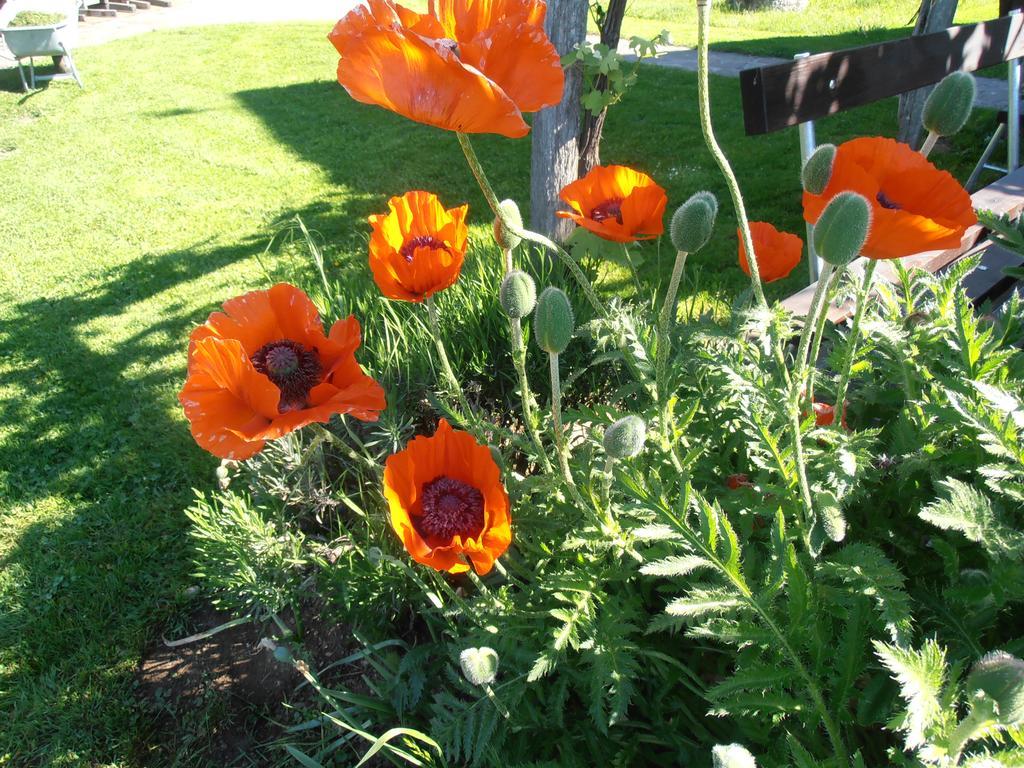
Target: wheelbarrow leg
column 71, row 63
column 21, row 73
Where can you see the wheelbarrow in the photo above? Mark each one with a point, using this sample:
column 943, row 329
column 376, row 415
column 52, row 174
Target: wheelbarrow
column 53, row 40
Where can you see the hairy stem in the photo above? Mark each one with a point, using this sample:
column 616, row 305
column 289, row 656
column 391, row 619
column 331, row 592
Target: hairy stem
column 797, row 394
column 525, row 234
column 853, row 342
column 819, row 332
column 665, row 322
column 929, row 143
column 446, row 367
column 526, row 395
column 703, row 96
column 559, row 432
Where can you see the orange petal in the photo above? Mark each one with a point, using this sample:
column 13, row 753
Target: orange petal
column 225, row 399
column 522, row 61
column 777, row 252
column 463, row 20
column 260, row 317
column 401, row 71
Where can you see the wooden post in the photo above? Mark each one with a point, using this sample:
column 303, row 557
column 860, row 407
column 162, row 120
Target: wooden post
column 933, row 16
column 555, row 153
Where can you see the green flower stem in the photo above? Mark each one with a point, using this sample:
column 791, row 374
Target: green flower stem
column 929, row 143
column 853, row 342
column 519, row 360
column 665, row 321
column 797, row 391
column 446, row 367
column 980, row 717
column 632, row 271
column 525, row 234
column 703, row 97
column 559, row 432
column 819, row 332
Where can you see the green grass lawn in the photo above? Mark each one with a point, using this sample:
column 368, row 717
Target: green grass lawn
column 130, row 210
column 826, row 25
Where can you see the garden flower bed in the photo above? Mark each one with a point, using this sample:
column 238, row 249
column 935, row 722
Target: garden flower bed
column 702, row 540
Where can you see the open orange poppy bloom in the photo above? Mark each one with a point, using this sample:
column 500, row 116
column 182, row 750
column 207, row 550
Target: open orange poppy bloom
column 915, row 207
column 473, row 66
column 264, row 367
column 777, row 252
column 616, row 203
column 447, row 501
column 417, row 247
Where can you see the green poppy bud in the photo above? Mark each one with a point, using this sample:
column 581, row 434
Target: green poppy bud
column 507, row 240
column 625, row 438
column 949, row 104
column 817, row 171
column 1001, row 677
column 693, row 221
column 553, row 321
column 732, row 756
column 518, row 294
column 842, row 228
column 479, row 665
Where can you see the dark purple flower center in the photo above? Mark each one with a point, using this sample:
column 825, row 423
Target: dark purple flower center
column 885, row 202
column 293, row 368
column 609, row 209
column 450, row 508
column 409, row 248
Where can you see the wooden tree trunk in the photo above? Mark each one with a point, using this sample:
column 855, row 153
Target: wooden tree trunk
column 593, row 125
column 933, row 16
column 555, row 152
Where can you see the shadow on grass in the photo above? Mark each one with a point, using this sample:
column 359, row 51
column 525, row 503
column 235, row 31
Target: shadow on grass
column 97, row 438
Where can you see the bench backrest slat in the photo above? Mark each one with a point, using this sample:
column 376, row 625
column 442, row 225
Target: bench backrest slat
column 787, row 94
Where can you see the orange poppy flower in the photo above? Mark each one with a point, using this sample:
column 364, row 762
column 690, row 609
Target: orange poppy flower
column 417, row 247
column 447, row 501
column 915, row 207
column 777, row 252
column 473, row 66
column 263, row 368
column 825, row 415
column 616, row 203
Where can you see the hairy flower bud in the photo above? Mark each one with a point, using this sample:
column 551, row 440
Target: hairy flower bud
column 732, row 756
column 693, row 221
column 1001, row 677
column 553, row 320
column 479, row 665
column 842, row 228
column 625, row 438
column 518, row 294
column 507, row 240
column 817, row 171
column 949, row 104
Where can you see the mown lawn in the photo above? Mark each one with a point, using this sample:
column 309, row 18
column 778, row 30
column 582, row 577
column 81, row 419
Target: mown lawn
column 826, row 25
column 130, row 210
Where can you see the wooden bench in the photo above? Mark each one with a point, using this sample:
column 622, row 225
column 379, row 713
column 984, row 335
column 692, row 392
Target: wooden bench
column 790, row 94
